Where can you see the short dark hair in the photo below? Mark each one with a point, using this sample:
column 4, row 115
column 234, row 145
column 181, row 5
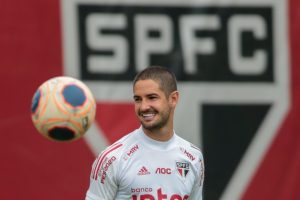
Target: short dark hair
column 162, row 75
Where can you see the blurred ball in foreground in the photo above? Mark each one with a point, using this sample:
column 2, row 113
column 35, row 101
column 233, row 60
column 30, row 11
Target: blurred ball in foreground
column 63, row 108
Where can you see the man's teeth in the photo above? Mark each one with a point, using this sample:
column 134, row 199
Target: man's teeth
column 148, row 115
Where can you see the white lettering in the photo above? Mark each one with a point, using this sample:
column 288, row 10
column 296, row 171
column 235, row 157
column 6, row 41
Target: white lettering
column 238, row 64
column 191, row 45
column 145, row 45
column 96, row 40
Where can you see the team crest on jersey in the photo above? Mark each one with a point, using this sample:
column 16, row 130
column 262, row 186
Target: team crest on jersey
column 183, row 168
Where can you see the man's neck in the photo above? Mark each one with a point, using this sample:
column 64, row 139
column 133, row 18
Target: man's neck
column 162, row 134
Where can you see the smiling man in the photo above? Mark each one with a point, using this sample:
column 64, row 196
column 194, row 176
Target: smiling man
column 152, row 162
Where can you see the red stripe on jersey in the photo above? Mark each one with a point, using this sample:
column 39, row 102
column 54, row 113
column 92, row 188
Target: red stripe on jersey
column 101, row 158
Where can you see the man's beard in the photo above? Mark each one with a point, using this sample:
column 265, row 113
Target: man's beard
column 164, row 118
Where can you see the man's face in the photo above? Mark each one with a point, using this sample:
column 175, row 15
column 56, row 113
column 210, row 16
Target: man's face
column 152, row 107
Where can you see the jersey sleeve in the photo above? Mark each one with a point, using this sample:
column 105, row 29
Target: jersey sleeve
column 196, row 193
column 103, row 178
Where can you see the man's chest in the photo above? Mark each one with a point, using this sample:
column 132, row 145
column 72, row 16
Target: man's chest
column 157, row 175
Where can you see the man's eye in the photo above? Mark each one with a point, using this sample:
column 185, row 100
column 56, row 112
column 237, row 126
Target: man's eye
column 136, row 99
column 153, row 97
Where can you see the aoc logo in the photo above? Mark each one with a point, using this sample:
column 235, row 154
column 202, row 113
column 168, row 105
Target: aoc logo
column 231, row 62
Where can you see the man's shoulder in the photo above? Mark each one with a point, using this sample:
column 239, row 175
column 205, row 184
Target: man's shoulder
column 117, row 148
column 185, row 145
column 111, row 156
column 128, row 139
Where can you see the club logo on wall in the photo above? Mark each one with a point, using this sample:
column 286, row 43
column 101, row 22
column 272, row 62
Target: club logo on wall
column 229, row 61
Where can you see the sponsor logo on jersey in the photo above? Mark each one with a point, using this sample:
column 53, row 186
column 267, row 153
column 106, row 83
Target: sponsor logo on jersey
column 159, row 196
column 108, row 163
column 106, row 166
column 143, row 189
column 163, row 170
column 101, row 160
column 143, row 171
column 187, row 154
column 132, row 150
column 183, row 168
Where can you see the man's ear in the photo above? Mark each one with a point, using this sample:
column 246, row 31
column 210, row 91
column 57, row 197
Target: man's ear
column 174, row 98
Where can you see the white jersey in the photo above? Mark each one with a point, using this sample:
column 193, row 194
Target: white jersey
column 137, row 167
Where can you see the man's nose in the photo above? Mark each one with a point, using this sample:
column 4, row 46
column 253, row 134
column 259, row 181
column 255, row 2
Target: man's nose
column 144, row 105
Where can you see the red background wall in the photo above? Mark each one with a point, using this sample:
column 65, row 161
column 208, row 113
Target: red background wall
column 35, row 168
column 31, row 52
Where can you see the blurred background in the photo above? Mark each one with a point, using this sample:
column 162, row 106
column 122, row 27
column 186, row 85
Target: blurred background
column 237, row 64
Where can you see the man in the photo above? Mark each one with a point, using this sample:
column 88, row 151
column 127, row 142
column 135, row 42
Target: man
column 152, row 162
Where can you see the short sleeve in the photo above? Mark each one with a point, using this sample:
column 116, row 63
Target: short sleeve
column 103, row 180
column 196, row 193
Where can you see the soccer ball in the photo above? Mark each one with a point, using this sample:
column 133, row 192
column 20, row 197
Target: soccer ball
column 63, row 108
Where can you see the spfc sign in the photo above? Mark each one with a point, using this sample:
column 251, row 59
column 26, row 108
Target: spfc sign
column 231, row 62
column 183, row 168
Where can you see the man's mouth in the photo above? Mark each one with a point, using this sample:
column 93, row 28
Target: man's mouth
column 147, row 116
